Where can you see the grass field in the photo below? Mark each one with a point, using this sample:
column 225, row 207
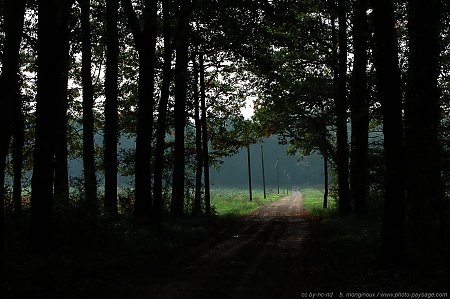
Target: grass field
column 313, row 202
column 235, row 202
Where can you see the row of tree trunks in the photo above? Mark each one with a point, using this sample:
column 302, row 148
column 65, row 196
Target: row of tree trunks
column 14, row 11
column 420, row 173
column 111, row 130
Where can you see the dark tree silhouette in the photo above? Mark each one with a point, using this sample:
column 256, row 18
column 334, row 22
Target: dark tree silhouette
column 181, row 76
column 17, row 155
column 325, row 181
column 111, row 130
column 426, row 210
column 359, row 110
column 162, row 116
column 52, row 58
column 13, row 23
column 249, row 171
column 389, row 92
column 341, row 112
column 204, row 136
column 198, row 142
column 145, row 41
column 61, row 151
column 90, row 180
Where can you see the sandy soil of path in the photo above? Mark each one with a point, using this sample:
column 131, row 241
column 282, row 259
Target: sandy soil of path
column 289, row 206
column 261, row 258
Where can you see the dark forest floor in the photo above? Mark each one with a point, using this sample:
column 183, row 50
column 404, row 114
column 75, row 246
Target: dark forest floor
column 260, row 256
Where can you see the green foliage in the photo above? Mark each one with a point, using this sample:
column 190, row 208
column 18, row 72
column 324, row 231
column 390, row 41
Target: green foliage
column 235, row 202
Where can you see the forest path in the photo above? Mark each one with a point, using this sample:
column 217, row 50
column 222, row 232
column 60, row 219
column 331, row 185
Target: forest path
column 260, row 258
column 289, row 206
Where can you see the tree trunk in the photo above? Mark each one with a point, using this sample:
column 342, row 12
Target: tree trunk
column 204, row 137
column 17, row 156
column 61, row 151
column 359, row 111
column 341, row 113
column 162, row 118
column 13, row 23
column 278, row 179
column 90, row 180
column 198, row 144
column 425, row 199
column 181, row 46
column 52, row 58
column 325, row 181
column 61, row 183
column 249, row 168
column 389, row 92
column 111, row 130
column 145, row 40
column 263, row 172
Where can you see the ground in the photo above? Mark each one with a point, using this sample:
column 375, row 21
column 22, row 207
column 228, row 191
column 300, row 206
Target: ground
column 259, row 258
column 278, row 251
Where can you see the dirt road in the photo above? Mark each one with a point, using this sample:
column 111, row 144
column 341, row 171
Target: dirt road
column 260, row 259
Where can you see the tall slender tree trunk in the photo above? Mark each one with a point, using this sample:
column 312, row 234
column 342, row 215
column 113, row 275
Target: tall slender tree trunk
column 198, row 143
column 325, row 181
column 145, row 40
column 263, row 172
column 61, row 151
column 359, row 110
column 181, row 47
column 61, row 180
column 390, row 94
column 341, row 113
column 425, row 197
column 90, row 180
column 17, row 156
column 204, row 136
column 111, row 130
column 278, row 179
column 249, row 171
column 52, row 26
column 14, row 11
column 162, row 117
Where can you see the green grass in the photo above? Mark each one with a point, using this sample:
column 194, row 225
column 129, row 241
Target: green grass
column 313, row 203
column 235, row 202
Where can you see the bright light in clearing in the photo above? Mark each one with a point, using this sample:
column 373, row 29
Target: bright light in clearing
column 248, row 111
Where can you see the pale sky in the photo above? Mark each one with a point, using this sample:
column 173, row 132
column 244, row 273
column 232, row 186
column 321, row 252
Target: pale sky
column 247, row 111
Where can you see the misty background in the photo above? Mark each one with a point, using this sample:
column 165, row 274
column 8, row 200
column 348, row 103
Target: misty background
column 293, row 171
